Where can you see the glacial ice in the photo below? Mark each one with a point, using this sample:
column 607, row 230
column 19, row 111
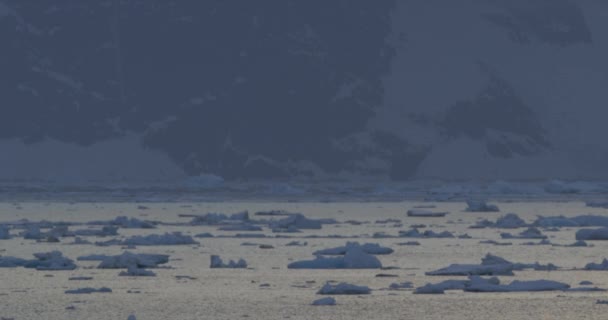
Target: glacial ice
column 343, row 288
column 89, row 290
column 480, row 206
column 327, row 301
column 216, row 262
column 371, row 248
column 354, row 258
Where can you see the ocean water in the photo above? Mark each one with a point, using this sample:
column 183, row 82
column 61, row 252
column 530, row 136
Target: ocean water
column 268, row 290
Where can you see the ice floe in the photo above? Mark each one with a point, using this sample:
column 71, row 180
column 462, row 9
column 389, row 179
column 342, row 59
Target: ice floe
column 216, row 262
column 127, row 223
column 480, row 206
column 508, row 221
column 530, row 233
column 89, row 290
column 592, row 234
column 414, row 233
column 343, row 288
column 371, row 248
column 354, row 258
column 327, row 301
column 603, row 266
column 422, row 213
column 46, row 261
column 167, row 239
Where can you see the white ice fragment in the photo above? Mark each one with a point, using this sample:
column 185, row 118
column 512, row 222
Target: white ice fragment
column 592, row 234
column 327, row 301
column 175, row 238
column 354, row 258
column 343, row 288
column 480, row 206
column 89, row 290
column 216, row 262
column 422, row 213
column 371, row 248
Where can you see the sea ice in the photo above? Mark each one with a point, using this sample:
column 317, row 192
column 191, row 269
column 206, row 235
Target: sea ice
column 328, row 301
column 343, row 288
column 371, row 248
column 216, row 262
column 354, row 258
column 88, row 290
column 480, row 206
column 127, row 223
column 592, row 234
column 530, row 233
column 597, row 266
column 425, row 213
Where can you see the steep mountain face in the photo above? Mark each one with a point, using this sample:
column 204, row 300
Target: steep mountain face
column 282, row 88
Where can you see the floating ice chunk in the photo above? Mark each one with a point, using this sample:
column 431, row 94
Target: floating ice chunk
column 414, row 233
column 560, row 221
column 104, row 232
column 586, row 289
column 4, row 232
column 578, row 221
column 592, row 234
column 518, row 286
column 53, row 260
column 204, row 235
column 131, row 223
column 240, row 227
column 175, row 238
column 597, row 266
column 354, row 258
column 401, row 286
column 543, row 242
column 131, row 317
column 425, row 213
column 328, row 301
column 80, row 241
column 590, row 220
column 343, row 288
column 133, row 271
column 509, row 221
column 216, row 262
column 129, row 260
column 474, row 269
column 12, row 262
column 33, row 232
column 82, row 278
column 530, row 233
column 408, row 243
column 585, row 283
column 89, row 290
column 440, row 288
column 480, row 206
column 371, row 248
column 490, row 265
column 387, row 221
column 296, row 244
column 297, row 221
column 496, row 243
column 220, row 218
column 273, row 213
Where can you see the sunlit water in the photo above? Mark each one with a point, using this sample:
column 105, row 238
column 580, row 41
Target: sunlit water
column 237, row 294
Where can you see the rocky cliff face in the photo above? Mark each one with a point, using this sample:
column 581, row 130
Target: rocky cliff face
column 275, row 89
